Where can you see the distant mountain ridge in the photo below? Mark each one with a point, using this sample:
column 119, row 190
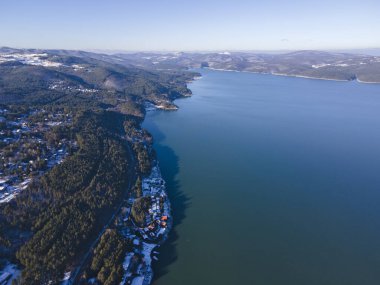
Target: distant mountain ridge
column 314, row 64
column 304, row 63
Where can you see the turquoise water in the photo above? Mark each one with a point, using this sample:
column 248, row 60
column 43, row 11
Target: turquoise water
column 273, row 180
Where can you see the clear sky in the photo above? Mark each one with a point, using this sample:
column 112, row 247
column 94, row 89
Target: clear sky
column 190, row 25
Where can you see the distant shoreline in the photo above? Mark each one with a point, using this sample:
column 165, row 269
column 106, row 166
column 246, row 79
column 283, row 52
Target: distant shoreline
column 292, row 75
column 366, row 82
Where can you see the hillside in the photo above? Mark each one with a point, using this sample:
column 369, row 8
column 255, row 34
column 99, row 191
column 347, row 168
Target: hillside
column 42, row 76
column 315, row 64
column 71, row 150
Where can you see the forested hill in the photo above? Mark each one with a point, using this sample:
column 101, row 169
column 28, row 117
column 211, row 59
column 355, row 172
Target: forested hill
column 314, row 64
column 40, row 76
column 70, row 123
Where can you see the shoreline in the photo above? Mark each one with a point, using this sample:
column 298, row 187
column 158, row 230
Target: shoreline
column 366, row 82
column 292, row 75
column 145, row 240
column 175, row 268
column 150, row 248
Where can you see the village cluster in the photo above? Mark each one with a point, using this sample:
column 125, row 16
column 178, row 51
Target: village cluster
column 28, row 148
column 62, row 85
column 137, row 264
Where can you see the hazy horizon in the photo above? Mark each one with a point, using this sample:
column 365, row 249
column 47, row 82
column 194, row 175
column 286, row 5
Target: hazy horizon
column 208, row 25
column 367, row 51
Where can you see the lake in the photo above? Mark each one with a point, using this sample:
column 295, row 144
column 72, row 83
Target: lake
column 273, row 180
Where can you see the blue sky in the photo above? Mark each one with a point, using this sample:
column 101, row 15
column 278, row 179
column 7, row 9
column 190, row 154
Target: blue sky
column 190, row 25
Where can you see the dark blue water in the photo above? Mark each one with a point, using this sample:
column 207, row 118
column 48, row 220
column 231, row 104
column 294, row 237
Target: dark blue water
column 273, row 180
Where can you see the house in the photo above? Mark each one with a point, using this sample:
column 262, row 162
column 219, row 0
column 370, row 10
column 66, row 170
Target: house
column 3, row 186
column 161, row 232
column 164, row 218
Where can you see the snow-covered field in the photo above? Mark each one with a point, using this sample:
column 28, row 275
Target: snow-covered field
column 29, row 58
